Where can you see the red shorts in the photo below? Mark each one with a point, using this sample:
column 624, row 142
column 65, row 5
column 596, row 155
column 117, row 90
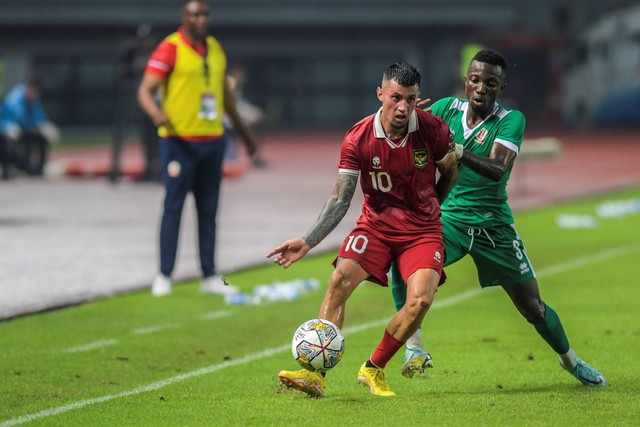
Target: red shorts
column 375, row 253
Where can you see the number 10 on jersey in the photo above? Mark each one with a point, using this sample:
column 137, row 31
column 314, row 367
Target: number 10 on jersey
column 381, row 181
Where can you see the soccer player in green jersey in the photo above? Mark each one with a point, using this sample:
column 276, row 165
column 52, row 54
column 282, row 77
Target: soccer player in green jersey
column 476, row 217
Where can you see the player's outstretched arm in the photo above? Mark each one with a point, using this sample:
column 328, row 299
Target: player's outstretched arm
column 332, row 213
column 334, row 210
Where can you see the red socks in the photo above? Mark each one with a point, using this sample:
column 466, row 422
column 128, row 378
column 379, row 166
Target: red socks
column 387, row 348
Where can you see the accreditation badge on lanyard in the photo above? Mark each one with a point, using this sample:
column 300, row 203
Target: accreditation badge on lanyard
column 208, row 105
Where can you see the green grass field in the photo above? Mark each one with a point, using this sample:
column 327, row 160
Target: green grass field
column 189, row 359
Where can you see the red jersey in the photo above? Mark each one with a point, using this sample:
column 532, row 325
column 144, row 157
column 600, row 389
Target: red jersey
column 397, row 177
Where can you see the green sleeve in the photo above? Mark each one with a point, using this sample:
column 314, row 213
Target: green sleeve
column 440, row 107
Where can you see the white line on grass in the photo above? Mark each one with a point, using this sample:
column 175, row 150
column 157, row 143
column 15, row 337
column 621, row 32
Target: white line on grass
column 145, row 330
column 151, row 387
column 153, row 329
column 580, row 262
column 216, row 314
column 445, row 302
column 92, row 345
column 587, row 260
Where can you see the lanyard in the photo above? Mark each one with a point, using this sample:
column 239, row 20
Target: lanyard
column 205, row 64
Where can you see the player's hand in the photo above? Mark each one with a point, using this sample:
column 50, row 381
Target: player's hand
column 160, row 118
column 422, row 103
column 289, row 252
column 458, row 149
column 251, row 146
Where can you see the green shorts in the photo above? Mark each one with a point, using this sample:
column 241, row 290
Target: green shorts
column 498, row 252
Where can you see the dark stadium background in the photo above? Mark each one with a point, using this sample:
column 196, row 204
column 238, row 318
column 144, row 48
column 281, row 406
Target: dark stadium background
column 312, row 63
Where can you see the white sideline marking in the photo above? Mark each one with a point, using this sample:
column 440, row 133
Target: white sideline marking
column 585, row 261
column 436, row 304
column 216, row 314
column 151, row 387
column 92, row 345
column 580, row 262
column 154, row 328
column 145, row 330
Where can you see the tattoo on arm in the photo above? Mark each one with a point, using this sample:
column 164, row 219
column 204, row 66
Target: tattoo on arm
column 333, row 211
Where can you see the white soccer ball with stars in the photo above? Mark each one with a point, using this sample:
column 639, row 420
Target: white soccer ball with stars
column 318, row 345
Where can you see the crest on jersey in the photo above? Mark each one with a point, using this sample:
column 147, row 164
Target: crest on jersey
column 420, row 158
column 480, row 136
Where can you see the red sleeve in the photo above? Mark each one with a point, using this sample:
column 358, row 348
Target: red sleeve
column 162, row 60
column 349, row 157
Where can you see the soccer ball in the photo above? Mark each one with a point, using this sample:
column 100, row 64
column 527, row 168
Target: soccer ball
column 317, row 345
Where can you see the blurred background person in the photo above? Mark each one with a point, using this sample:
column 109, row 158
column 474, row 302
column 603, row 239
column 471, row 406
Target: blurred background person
column 189, row 68
column 6, row 157
column 26, row 128
column 250, row 113
column 131, row 62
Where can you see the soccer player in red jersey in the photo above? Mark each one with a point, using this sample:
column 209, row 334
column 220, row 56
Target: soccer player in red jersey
column 396, row 153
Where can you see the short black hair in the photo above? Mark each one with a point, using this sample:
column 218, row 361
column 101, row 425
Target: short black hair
column 493, row 57
column 404, row 74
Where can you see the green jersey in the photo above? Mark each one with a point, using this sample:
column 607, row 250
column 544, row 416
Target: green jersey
column 478, row 201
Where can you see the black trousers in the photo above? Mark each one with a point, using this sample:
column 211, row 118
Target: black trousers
column 31, row 153
column 5, row 157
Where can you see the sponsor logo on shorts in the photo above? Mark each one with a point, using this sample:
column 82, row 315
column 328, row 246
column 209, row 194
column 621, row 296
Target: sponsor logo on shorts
column 524, row 268
column 438, row 256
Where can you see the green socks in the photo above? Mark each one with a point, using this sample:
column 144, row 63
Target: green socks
column 398, row 287
column 552, row 331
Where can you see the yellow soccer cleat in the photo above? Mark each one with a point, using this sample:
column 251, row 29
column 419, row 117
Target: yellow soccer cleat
column 415, row 360
column 311, row 383
column 374, row 379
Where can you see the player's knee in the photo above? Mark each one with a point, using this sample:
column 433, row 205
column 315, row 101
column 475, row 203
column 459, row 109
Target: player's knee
column 341, row 279
column 419, row 304
column 339, row 276
column 534, row 311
